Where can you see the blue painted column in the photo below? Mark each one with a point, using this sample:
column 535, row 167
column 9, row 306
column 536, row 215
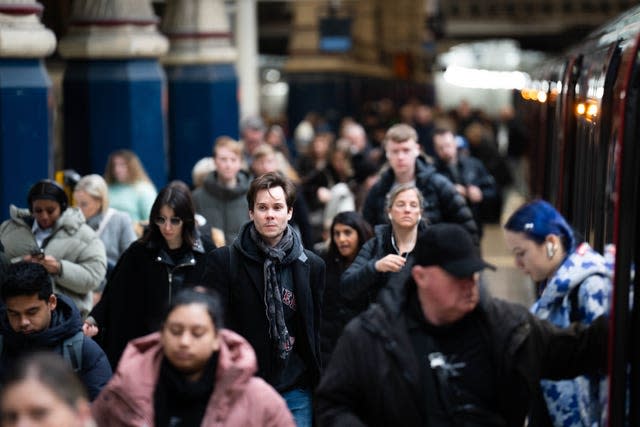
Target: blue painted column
column 26, row 137
column 203, row 83
column 114, row 86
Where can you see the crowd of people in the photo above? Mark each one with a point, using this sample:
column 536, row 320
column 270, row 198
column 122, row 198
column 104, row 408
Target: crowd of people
column 330, row 279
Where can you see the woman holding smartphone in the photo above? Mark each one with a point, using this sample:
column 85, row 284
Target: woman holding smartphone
column 55, row 235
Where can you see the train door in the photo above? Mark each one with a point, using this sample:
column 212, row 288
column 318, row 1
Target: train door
column 603, row 214
column 588, row 166
column 559, row 180
column 550, row 110
column 624, row 363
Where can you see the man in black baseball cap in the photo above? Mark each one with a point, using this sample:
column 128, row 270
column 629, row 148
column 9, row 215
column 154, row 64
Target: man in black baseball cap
column 450, row 247
column 437, row 353
column 445, row 265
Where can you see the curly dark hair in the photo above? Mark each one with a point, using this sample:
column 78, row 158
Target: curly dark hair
column 26, row 278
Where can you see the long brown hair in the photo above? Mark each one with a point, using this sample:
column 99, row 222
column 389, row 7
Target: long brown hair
column 136, row 170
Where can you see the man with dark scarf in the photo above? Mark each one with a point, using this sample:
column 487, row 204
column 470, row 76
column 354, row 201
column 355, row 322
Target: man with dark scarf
column 33, row 318
column 271, row 288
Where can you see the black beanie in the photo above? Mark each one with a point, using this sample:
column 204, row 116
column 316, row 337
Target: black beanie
column 49, row 190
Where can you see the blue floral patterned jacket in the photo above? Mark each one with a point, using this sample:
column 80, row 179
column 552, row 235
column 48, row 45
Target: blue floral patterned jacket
column 580, row 402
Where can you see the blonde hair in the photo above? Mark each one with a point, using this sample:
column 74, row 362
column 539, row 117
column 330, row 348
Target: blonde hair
column 96, row 187
column 136, row 170
column 227, row 142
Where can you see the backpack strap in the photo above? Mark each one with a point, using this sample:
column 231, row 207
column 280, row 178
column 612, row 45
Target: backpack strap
column 105, row 220
column 72, row 350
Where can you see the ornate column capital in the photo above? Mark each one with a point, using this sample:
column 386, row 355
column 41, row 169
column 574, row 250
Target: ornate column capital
column 199, row 32
column 22, row 35
column 113, row 29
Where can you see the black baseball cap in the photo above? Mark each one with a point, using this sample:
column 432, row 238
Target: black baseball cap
column 449, row 246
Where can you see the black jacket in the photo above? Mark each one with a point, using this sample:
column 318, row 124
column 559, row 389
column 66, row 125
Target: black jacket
column 361, row 283
column 241, row 288
column 66, row 322
column 373, row 377
column 442, row 203
column 471, row 171
column 337, row 311
column 139, row 290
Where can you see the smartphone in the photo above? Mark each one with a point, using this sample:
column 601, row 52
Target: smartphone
column 37, row 253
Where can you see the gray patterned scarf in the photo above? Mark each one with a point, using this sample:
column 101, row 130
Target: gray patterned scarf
column 286, row 251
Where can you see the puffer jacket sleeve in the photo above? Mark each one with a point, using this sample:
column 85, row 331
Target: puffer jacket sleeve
column 85, row 273
column 361, row 274
column 594, row 297
column 482, row 179
column 96, row 370
column 453, row 206
column 373, row 208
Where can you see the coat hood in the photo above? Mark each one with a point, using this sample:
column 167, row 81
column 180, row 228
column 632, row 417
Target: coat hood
column 70, row 220
column 137, row 373
column 65, row 322
column 582, row 263
column 213, row 187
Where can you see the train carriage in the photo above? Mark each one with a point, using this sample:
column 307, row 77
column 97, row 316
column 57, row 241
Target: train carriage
column 584, row 112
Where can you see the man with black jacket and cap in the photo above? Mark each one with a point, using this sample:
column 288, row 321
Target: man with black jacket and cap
column 440, row 352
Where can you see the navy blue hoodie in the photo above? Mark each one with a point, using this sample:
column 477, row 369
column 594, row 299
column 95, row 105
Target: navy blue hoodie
column 65, row 323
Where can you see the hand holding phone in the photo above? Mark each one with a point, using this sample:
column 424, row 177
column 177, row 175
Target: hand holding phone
column 37, row 253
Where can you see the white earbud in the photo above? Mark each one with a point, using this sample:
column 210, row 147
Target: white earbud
column 551, row 250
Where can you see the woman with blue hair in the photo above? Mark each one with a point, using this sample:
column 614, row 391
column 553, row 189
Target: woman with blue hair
column 573, row 284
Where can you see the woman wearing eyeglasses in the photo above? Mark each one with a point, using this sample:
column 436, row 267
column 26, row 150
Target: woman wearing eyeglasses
column 167, row 258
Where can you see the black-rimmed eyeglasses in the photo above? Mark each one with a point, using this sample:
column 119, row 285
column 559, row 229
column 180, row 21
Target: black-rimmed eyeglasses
column 176, row 221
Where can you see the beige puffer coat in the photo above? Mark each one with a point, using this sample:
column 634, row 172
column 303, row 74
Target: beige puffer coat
column 72, row 242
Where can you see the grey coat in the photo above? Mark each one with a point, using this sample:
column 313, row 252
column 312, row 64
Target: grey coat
column 73, row 243
column 223, row 208
column 117, row 234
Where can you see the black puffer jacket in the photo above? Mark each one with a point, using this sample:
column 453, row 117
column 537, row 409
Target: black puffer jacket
column 373, row 379
column 139, row 289
column 442, row 203
column 361, row 282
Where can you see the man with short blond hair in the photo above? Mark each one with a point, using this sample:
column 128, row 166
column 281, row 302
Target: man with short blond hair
column 221, row 198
